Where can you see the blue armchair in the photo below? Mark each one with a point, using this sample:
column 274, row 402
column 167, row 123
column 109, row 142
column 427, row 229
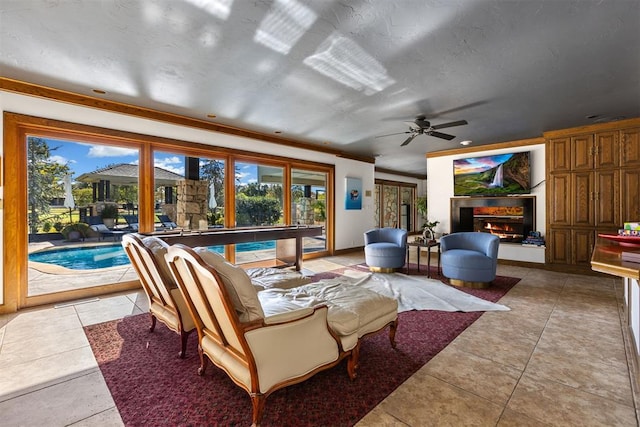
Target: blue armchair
column 469, row 258
column 385, row 249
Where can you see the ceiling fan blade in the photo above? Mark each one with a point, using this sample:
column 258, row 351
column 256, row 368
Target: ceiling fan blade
column 441, row 135
column 389, row 134
column 450, row 124
column 408, row 140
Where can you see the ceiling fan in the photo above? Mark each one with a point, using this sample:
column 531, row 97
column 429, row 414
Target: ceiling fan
column 420, row 126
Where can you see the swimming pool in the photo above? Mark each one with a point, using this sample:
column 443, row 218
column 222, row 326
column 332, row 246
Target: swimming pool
column 104, row 256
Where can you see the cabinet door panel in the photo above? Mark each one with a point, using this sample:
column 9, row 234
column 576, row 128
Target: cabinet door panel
column 559, row 199
column 607, row 203
column 583, row 196
column 583, row 241
column 582, row 155
column 630, row 147
column 559, row 155
column 630, row 195
column 607, row 149
column 559, row 246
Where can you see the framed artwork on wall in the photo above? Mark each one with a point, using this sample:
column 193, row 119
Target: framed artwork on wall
column 353, row 196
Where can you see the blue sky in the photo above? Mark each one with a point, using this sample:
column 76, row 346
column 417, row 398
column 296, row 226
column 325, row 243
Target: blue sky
column 85, row 157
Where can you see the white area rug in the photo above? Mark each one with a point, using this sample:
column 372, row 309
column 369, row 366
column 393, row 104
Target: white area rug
column 419, row 293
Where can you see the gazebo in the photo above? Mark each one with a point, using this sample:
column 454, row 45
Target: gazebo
column 127, row 174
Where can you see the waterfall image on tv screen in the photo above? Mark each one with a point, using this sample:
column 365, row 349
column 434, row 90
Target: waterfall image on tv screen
column 495, row 175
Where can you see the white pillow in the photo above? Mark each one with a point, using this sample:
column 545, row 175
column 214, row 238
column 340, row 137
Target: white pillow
column 270, row 277
column 158, row 248
column 244, row 296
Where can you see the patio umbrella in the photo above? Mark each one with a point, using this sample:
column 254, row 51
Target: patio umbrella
column 212, row 196
column 68, row 195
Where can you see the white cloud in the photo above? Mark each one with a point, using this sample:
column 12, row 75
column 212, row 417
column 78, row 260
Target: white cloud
column 178, row 170
column 61, row 160
column 109, row 151
column 169, row 163
column 241, row 175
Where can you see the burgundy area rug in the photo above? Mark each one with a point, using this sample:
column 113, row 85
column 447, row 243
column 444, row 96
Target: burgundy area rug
column 151, row 386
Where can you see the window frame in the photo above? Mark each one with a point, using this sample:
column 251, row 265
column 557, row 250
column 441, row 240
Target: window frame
column 16, row 129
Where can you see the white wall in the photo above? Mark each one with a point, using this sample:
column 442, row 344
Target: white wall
column 440, row 192
column 1, row 202
column 350, row 225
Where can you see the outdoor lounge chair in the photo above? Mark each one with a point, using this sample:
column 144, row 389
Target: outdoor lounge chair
column 132, row 222
column 104, row 231
column 166, row 222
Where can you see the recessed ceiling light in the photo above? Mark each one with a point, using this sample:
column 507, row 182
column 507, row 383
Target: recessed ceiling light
column 608, row 119
column 211, row 116
column 326, row 142
column 465, row 142
column 100, row 91
column 277, row 131
column 599, row 118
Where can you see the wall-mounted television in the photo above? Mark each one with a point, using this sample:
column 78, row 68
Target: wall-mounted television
column 495, row 175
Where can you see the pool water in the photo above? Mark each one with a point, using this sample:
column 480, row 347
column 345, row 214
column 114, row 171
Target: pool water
column 104, row 256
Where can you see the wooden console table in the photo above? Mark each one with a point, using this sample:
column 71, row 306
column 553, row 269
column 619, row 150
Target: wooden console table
column 607, row 258
column 419, row 245
column 286, row 253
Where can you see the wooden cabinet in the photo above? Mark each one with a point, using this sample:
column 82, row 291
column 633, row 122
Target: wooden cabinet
column 582, row 246
column 583, row 212
column 630, row 190
column 607, row 199
column 593, row 186
column 630, row 147
column 559, row 245
column 559, row 155
column 582, row 151
column 607, row 150
column 558, row 200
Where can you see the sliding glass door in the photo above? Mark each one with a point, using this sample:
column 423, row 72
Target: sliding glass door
column 309, row 205
column 78, row 196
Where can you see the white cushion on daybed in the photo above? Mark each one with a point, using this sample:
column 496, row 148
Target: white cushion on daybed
column 237, row 283
column 269, row 277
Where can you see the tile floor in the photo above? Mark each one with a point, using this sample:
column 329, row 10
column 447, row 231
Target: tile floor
column 557, row 358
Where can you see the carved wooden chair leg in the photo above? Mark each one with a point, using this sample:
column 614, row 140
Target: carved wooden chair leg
column 153, row 323
column 353, row 361
column 393, row 327
column 204, row 361
column 184, row 337
column 257, row 401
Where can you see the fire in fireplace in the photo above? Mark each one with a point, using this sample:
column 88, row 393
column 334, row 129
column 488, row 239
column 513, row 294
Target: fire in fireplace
column 510, row 218
column 505, row 222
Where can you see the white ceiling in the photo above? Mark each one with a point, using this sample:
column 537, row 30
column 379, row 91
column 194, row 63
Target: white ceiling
column 342, row 72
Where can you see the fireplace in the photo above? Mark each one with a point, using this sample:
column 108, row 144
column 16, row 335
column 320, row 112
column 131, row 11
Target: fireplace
column 510, row 218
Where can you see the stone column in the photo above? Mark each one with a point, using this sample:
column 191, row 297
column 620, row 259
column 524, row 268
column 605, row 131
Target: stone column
column 192, row 204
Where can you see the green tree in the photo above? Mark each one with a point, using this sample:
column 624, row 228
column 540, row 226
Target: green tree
column 43, row 177
column 126, row 194
column 213, row 171
column 297, row 193
column 83, row 196
column 254, row 189
column 256, row 210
